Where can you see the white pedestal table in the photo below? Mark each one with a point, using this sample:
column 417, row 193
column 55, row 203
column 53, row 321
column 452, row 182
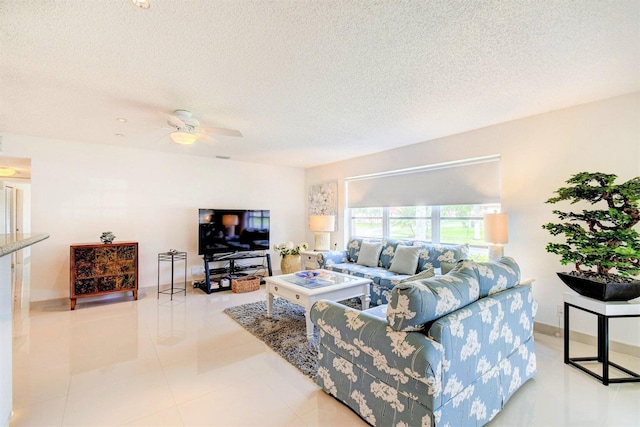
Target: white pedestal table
column 604, row 311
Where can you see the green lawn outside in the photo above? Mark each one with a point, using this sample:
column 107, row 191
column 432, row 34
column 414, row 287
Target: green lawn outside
column 452, row 231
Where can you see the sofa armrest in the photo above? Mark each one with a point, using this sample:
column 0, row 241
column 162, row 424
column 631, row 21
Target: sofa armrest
column 395, row 358
column 328, row 258
column 480, row 336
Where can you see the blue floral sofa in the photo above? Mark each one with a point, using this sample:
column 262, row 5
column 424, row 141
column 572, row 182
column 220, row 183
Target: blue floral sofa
column 448, row 350
column 411, row 258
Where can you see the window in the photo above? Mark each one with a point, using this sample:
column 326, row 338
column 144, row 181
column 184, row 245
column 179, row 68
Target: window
column 464, row 223
column 410, row 222
column 367, row 222
column 453, row 224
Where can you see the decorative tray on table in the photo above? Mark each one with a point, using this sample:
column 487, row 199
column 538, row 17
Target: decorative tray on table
column 308, row 274
column 311, row 279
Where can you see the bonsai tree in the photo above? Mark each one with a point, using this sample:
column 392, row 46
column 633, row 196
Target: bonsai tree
column 607, row 241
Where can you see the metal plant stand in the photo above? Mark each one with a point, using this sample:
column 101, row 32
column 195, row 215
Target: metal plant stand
column 172, row 257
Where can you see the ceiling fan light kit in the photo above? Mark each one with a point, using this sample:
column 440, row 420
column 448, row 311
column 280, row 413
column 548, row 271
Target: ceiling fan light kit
column 183, row 138
column 7, row 171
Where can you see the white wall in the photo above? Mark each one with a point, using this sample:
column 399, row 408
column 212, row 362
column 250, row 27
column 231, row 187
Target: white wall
column 538, row 155
column 80, row 190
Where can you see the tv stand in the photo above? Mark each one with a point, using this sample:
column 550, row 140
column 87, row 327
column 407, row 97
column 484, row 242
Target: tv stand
column 222, row 257
column 222, row 276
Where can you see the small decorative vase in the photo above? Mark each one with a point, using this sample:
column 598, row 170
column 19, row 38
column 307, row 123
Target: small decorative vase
column 107, row 237
column 290, row 264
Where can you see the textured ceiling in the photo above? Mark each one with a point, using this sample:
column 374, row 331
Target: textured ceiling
column 307, row 82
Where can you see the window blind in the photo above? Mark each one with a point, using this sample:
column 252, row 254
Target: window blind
column 471, row 181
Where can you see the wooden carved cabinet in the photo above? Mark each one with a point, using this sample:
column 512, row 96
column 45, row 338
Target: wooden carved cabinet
column 100, row 269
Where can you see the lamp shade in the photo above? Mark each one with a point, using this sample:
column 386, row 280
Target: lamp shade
column 322, row 222
column 229, row 220
column 496, row 228
column 184, row 138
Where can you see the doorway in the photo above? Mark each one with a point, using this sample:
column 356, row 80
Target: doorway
column 15, row 218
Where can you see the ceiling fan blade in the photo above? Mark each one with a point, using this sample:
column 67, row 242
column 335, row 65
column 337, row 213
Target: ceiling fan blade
column 205, row 138
column 164, row 139
column 222, row 131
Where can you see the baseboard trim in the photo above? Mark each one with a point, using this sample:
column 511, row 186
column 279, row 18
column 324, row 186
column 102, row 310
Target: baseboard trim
column 619, row 347
column 61, row 302
column 48, row 303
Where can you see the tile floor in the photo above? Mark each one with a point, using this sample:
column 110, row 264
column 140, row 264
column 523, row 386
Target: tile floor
column 156, row 362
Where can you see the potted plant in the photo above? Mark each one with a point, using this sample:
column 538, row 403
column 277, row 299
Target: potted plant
column 606, row 249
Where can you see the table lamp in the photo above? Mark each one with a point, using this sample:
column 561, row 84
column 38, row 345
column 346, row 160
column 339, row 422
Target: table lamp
column 322, row 225
column 496, row 233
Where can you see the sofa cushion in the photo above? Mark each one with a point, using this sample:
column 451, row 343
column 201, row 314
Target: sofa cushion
column 446, row 267
column 353, row 248
column 424, row 274
column 369, row 254
column 373, row 273
column 493, row 276
column 432, row 255
column 389, row 247
column 497, row 276
column 405, row 260
column 328, row 258
column 412, row 304
column 378, row 311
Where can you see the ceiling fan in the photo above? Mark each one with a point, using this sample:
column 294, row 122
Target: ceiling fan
column 188, row 129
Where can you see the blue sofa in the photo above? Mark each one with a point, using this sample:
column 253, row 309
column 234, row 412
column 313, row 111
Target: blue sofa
column 449, row 350
column 428, row 259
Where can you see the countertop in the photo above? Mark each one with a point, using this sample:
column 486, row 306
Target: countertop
column 14, row 242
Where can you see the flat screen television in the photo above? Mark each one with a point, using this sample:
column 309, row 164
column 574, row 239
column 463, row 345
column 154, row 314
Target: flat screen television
column 232, row 230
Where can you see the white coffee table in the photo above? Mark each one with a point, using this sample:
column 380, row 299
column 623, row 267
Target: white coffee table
column 305, row 292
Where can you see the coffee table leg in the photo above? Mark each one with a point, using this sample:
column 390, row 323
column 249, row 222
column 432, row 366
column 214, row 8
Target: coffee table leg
column 269, row 303
column 366, row 298
column 307, row 318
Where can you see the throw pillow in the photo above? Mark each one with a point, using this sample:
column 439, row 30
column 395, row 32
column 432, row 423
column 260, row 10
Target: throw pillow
column 405, row 260
column 369, row 254
column 446, row 267
column 389, row 251
column 424, row 274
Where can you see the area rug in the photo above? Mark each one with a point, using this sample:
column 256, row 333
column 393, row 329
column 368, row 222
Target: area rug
column 285, row 331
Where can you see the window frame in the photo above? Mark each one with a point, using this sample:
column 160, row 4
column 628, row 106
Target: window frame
column 436, row 223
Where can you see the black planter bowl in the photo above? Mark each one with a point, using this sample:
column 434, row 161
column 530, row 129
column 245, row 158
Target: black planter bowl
column 600, row 290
